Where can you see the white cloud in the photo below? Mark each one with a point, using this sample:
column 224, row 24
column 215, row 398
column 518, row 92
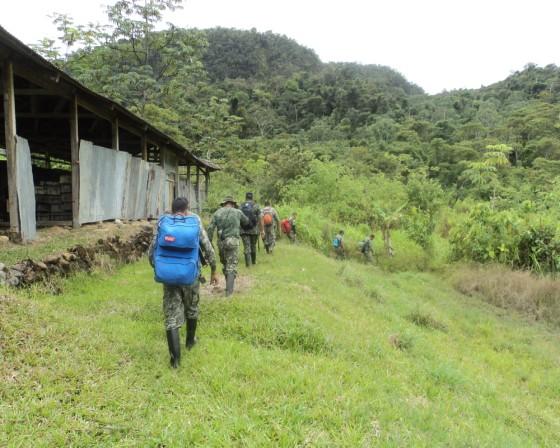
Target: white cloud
column 436, row 44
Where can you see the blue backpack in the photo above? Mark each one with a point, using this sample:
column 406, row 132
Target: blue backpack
column 336, row 242
column 176, row 251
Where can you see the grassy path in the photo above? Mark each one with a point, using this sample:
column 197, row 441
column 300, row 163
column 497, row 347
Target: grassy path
column 317, row 353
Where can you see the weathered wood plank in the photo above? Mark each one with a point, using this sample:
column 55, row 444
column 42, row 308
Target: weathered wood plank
column 10, row 134
column 75, row 162
column 115, row 133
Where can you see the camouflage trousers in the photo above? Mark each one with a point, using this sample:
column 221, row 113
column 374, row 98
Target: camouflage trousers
column 368, row 255
column 229, row 255
column 249, row 244
column 180, row 303
column 292, row 236
column 269, row 237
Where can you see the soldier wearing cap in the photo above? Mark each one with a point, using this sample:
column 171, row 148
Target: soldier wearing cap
column 227, row 221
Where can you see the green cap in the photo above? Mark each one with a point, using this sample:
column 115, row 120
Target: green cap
column 229, row 199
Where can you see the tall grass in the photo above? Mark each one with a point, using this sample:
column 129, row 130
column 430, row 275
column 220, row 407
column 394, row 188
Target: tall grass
column 535, row 296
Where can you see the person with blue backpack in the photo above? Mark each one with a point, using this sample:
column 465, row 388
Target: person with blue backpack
column 338, row 245
column 175, row 256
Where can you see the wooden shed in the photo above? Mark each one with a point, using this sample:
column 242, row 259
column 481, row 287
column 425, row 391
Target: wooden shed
column 71, row 156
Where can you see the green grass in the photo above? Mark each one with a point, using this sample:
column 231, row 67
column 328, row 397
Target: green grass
column 317, row 353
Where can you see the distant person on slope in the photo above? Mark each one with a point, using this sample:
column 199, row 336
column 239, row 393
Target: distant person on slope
column 288, row 227
column 227, row 221
column 366, row 248
column 271, row 223
column 250, row 232
column 338, row 245
column 174, row 255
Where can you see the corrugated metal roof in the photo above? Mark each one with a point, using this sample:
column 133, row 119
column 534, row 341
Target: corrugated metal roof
column 15, row 45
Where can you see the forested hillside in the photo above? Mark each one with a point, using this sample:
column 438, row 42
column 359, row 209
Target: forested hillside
column 353, row 144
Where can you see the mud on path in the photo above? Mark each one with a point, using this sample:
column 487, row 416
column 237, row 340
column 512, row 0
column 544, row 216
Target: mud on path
column 243, row 283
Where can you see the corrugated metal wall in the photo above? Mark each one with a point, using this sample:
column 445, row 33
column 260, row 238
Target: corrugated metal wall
column 113, row 184
column 25, row 190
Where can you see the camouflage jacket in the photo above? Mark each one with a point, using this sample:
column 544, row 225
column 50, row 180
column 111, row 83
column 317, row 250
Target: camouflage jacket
column 227, row 221
column 205, row 246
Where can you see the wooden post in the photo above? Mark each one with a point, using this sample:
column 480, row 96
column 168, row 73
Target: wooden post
column 197, row 189
column 189, row 184
column 206, row 184
column 144, row 145
column 75, row 162
column 115, row 126
column 10, row 133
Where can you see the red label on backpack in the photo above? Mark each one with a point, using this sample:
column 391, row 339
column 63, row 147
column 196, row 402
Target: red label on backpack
column 169, row 238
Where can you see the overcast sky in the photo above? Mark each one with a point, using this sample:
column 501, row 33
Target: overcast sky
column 437, row 44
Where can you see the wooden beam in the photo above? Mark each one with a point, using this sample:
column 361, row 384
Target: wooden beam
column 115, row 133
column 35, row 92
column 10, row 134
column 75, row 162
column 206, row 183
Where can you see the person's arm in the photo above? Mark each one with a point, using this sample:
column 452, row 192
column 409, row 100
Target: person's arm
column 260, row 221
column 208, row 251
column 152, row 249
column 211, row 228
column 243, row 219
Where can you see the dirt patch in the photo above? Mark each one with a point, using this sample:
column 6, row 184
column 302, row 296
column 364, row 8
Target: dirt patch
column 242, row 284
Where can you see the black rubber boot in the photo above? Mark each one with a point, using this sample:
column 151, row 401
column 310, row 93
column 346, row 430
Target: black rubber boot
column 191, row 332
column 230, row 281
column 174, row 347
column 267, row 249
column 247, row 260
column 254, row 257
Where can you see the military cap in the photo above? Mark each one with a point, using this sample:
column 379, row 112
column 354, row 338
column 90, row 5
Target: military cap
column 229, row 199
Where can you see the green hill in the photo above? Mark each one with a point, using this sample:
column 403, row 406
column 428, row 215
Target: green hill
column 315, row 353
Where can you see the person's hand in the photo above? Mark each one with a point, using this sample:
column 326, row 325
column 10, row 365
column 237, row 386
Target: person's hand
column 262, row 235
column 214, row 278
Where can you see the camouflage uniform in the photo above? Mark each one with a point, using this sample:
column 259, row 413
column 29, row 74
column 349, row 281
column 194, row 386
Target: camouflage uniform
column 227, row 221
column 271, row 230
column 181, row 302
column 367, row 249
column 250, row 237
column 293, row 231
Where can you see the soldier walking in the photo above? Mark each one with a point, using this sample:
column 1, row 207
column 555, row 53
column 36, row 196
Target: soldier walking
column 338, row 245
column 250, row 232
column 227, row 222
column 366, row 247
column 181, row 294
column 271, row 223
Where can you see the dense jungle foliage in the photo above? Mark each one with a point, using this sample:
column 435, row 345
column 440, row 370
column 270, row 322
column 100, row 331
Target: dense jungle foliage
column 356, row 145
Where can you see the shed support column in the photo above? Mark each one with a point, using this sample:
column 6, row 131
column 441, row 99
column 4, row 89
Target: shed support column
column 189, row 185
column 197, row 189
column 115, row 125
column 206, row 184
column 10, row 133
column 144, row 144
column 75, row 162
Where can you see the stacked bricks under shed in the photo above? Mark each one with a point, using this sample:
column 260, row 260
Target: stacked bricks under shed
column 54, row 199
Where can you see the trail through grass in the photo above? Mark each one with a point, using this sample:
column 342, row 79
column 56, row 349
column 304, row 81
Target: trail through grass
column 317, row 353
